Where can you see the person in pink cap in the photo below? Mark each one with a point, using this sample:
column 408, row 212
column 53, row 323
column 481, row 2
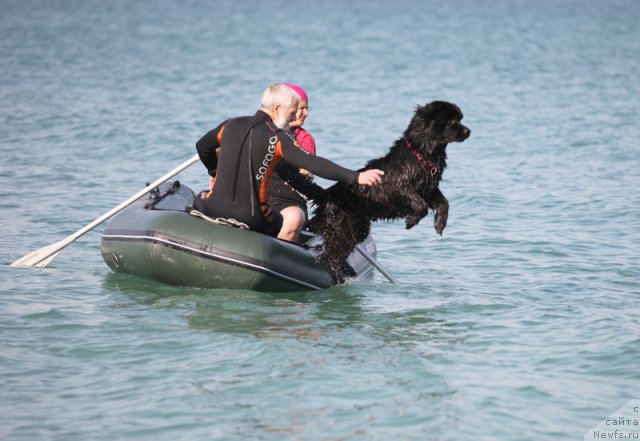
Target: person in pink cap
column 302, row 136
column 291, row 204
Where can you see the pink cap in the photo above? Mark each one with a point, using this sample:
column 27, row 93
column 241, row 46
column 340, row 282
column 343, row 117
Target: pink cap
column 297, row 89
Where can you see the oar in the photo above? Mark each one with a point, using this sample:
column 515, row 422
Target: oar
column 375, row 263
column 40, row 258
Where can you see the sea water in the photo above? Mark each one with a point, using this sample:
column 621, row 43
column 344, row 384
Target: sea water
column 520, row 323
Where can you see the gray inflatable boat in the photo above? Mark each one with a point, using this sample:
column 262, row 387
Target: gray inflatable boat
column 157, row 238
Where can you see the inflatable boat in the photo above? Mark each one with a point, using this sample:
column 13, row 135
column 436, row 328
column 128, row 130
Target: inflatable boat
column 160, row 239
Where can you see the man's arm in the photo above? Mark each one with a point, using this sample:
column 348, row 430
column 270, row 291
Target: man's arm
column 327, row 169
column 315, row 164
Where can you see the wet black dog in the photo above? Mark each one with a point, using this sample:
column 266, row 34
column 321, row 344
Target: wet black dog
column 412, row 172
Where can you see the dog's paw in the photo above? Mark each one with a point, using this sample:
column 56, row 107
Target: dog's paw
column 439, row 224
column 342, row 273
column 411, row 222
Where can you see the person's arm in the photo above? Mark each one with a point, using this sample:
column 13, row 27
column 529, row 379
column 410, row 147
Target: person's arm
column 315, row 164
column 327, row 169
column 207, row 148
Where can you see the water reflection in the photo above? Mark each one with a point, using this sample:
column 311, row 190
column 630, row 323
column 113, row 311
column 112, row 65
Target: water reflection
column 300, row 315
column 365, row 314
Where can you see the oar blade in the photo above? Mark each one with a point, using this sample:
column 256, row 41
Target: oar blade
column 40, row 258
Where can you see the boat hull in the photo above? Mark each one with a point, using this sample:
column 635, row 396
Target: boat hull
column 171, row 246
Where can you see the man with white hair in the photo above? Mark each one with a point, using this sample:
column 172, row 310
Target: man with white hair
column 241, row 154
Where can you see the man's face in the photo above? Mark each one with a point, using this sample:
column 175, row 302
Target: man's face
column 284, row 115
column 291, row 112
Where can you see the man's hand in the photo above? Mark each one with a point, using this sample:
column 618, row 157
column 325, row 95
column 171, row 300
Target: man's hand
column 370, row 177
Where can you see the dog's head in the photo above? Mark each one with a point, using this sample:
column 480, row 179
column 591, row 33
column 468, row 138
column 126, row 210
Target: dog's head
column 435, row 125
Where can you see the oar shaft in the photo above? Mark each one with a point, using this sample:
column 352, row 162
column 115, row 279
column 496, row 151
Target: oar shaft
column 375, row 263
column 134, row 198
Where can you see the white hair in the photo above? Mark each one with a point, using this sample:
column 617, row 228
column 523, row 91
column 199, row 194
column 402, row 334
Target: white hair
column 278, row 93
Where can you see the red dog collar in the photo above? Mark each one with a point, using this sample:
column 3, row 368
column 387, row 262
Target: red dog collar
column 428, row 164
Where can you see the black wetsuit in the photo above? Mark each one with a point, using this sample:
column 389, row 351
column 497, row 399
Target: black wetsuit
column 251, row 147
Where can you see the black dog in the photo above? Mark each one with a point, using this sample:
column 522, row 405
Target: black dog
column 412, row 172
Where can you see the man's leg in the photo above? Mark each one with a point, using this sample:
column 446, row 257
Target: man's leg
column 293, row 221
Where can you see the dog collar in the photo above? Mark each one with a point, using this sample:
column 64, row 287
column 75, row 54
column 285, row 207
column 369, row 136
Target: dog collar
column 428, row 164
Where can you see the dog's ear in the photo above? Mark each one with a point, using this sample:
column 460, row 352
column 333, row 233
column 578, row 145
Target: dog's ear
column 421, row 127
column 428, row 110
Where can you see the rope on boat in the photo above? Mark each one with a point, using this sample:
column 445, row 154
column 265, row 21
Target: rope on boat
column 221, row 220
